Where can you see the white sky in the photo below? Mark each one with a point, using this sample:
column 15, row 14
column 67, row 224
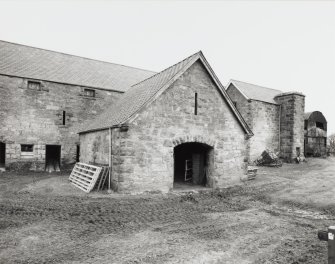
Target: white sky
column 287, row 45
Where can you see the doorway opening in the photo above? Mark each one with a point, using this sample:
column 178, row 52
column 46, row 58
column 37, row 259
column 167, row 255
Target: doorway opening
column 2, row 155
column 192, row 164
column 52, row 157
column 78, row 153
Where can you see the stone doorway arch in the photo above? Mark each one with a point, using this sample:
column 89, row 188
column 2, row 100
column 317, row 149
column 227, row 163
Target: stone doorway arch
column 193, row 161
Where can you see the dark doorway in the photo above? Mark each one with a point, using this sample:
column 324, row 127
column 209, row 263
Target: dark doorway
column 78, row 153
column 305, row 146
column 52, row 157
column 192, row 163
column 2, row 155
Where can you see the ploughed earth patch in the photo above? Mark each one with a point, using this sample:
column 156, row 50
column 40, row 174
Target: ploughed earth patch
column 272, row 219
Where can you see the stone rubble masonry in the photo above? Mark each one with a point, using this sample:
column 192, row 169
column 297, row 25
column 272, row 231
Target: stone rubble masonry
column 263, row 120
column 35, row 117
column 291, row 124
column 142, row 156
column 94, row 147
column 265, row 125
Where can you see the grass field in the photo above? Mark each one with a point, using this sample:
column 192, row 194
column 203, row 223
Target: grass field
column 273, row 219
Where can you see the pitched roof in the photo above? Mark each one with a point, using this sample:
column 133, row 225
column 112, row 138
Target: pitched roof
column 255, row 92
column 143, row 93
column 307, row 115
column 35, row 63
column 316, row 115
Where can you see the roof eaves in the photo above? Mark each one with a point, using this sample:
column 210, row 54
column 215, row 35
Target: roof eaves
column 97, row 129
column 267, row 102
column 65, row 83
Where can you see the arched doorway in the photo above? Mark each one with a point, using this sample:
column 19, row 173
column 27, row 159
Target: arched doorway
column 193, row 163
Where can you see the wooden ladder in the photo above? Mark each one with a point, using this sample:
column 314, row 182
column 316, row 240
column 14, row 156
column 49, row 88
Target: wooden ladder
column 188, row 170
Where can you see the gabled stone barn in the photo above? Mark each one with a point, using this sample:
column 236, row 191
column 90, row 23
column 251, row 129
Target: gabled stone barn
column 276, row 118
column 179, row 120
column 45, row 96
column 315, row 134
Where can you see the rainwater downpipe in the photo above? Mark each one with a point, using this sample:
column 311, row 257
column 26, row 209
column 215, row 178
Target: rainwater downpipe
column 110, row 160
column 279, row 130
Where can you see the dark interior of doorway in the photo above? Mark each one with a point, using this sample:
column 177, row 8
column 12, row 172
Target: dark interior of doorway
column 78, row 153
column 52, row 157
column 191, row 162
column 2, row 155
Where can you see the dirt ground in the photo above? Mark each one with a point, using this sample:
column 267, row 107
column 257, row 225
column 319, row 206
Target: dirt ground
column 273, row 219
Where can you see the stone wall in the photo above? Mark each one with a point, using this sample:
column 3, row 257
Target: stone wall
column 95, row 148
column 315, row 140
column 35, row 117
column 262, row 118
column 291, row 124
column 265, row 126
column 142, row 156
column 243, row 105
column 315, row 137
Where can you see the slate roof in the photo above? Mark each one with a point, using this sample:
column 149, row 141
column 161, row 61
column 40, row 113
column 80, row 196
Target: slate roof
column 255, row 92
column 143, row 93
column 135, row 98
column 29, row 62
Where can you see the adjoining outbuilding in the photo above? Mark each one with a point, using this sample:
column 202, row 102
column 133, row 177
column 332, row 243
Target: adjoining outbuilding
column 315, row 136
column 178, row 121
column 275, row 118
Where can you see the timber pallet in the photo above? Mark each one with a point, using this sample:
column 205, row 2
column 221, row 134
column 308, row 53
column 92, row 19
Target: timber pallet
column 84, row 176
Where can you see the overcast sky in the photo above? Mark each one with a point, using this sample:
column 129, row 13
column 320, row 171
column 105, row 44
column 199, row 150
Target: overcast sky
column 283, row 45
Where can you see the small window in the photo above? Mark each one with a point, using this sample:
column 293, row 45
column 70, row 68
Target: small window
column 325, row 142
column 27, row 148
column 34, row 85
column 89, row 92
column 64, row 118
column 319, row 125
column 196, row 103
column 235, row 104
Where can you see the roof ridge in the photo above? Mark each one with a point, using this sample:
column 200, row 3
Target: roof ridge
column 77, row 56
column 232, row 80
column 166, row 69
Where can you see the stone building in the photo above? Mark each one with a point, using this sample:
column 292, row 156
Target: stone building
column 176, row 121
column 155, row 130
column 276, row 118
column 315, row 134
column 45, row 95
